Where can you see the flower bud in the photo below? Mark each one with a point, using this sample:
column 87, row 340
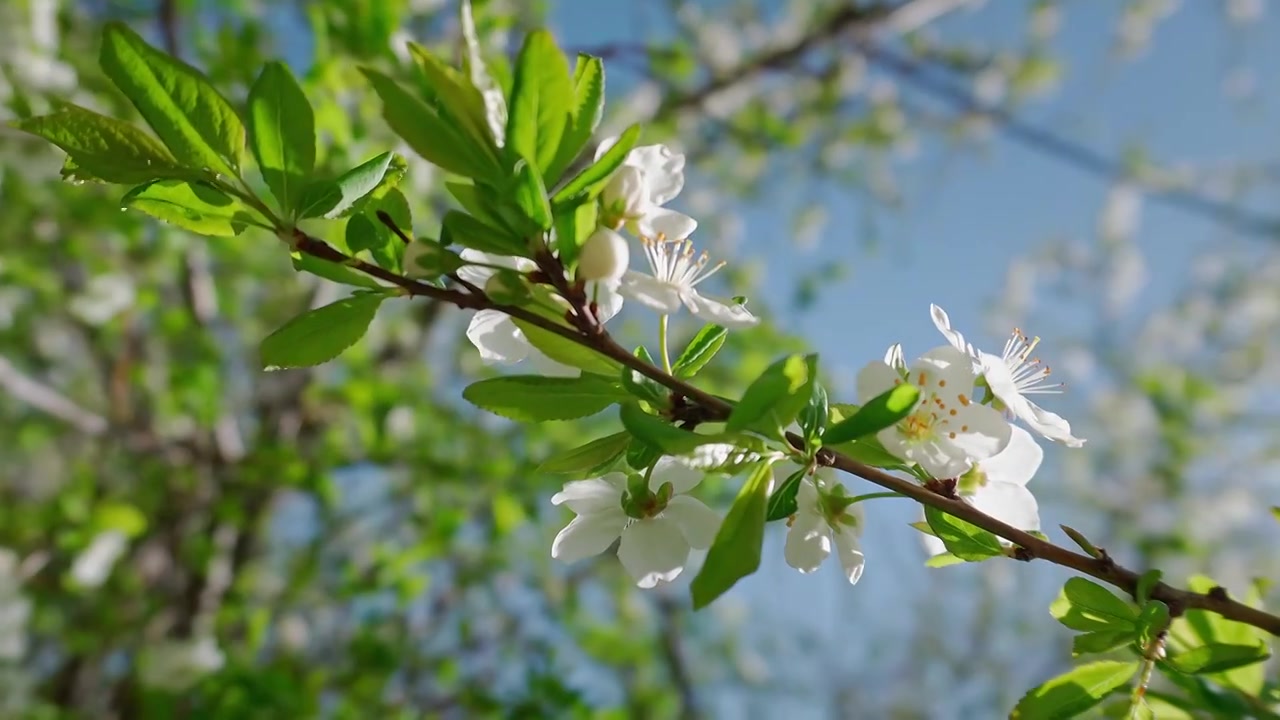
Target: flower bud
column 604, row 256
column 626, row 196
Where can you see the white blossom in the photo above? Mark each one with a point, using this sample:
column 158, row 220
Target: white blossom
column 653, row 548
column 675, row 273
column 177, row 665
column 93, row 566
column 650, row 177
column 604, row 256
column 823, row 521
column 1011, row 377
column 998, row 486
column 946, row 432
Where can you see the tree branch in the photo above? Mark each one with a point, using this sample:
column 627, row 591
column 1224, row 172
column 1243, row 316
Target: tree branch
column 1032, row 547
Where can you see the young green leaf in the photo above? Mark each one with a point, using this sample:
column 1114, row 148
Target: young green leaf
column 467, row 231
column 282, row 134
column 193, row 206
column 964, row 540
column 573, row 225
column 588, row 110
column 1216, row 657
column 781, row 390
column 568, row 352
column 942, row 560
column 320, row 335
column 457, row 99
column 531, row 195
column 1146, row 582
column 349, row 192
column 481, row 203
column 193, row 120
column 431, row 136
column 663, row 435
column 588, row 460
column 1100, row 641
column 1087, row 606
column 641, row 455
column 700, row 350
column 587, row 184
column 1074, row 691
column 782, row 501
column 495, row 103
column 813, row 417
column 332, row 271
column 641, row 386
column 104, row 148
column 1153, row 620
column 735, row 553
column 535, row 398
column 540, row 103
column 880, row 412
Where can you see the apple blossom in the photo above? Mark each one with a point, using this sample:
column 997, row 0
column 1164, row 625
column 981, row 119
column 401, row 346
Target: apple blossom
column 650, row 177
column 1011, row 377
column 604, row 256
column 676, row 271
column 656, row 531
column 998, row 486
column 947, row 431
column 824, row 519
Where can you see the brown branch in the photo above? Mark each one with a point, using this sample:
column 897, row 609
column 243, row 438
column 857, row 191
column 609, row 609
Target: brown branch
column 1029, row 546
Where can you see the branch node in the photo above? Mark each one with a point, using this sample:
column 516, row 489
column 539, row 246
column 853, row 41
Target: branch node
column 1219, row 593
column 946, row 488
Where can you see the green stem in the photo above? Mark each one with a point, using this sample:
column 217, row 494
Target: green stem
column 662, row 340
column 875, row 495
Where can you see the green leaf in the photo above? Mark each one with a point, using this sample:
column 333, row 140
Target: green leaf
column 458, row 100
column 366, row 232
column 282, row 134
column 467, row 231
column 347, row 194
column 1100, row 641
column 1074, row 691
column 588, row 111
column 735, row 553
column 1217, row 657
column 880, row 412
column 332, row 271
column 568, row 352
column 432, row 137
column 1146, row 582
column 119, row 516
column 535, row 398
column 813, row 417
column 781, row 390
column 184, row 109
column 641, row 455
column 193, row 206
column 573, row 226
column 663, row 435
column 1087, row 606
column 480, row 202
column 700, row 350
column 103, row 148
column 588, row 460
column 1153, row 620
column 541, row 99
column 782, row 501
column 587, row 184
column 964, row 540
column 320, row 335
column 943, row 560
column 531, row 195
column 473, row 63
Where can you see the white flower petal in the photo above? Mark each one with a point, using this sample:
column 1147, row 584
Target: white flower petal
column 682, row 475
column 851, row 557
column 653, row 551
column 946, row 371
column 943, row 323
column 592, row 495
column 1017, row 463
column 979, row 431
column 808, row 542
column 875, row 378
column 725, row 314
column 1049, row 424
column 1013, row 504
column 608, row 300
column 480, row 275
column 497, row 338
column 667, row 224
column 652, row 293
column 895, row 358
column 807, row 498
column 939, row 459
column 698, row 522
column 663, row 170
column 588, row 535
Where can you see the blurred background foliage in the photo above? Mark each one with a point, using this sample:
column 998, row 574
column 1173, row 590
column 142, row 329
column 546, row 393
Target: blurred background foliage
column 182, row 535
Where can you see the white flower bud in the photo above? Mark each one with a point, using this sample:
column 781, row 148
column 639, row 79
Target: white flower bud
column 627, row 194
column 604, row 256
